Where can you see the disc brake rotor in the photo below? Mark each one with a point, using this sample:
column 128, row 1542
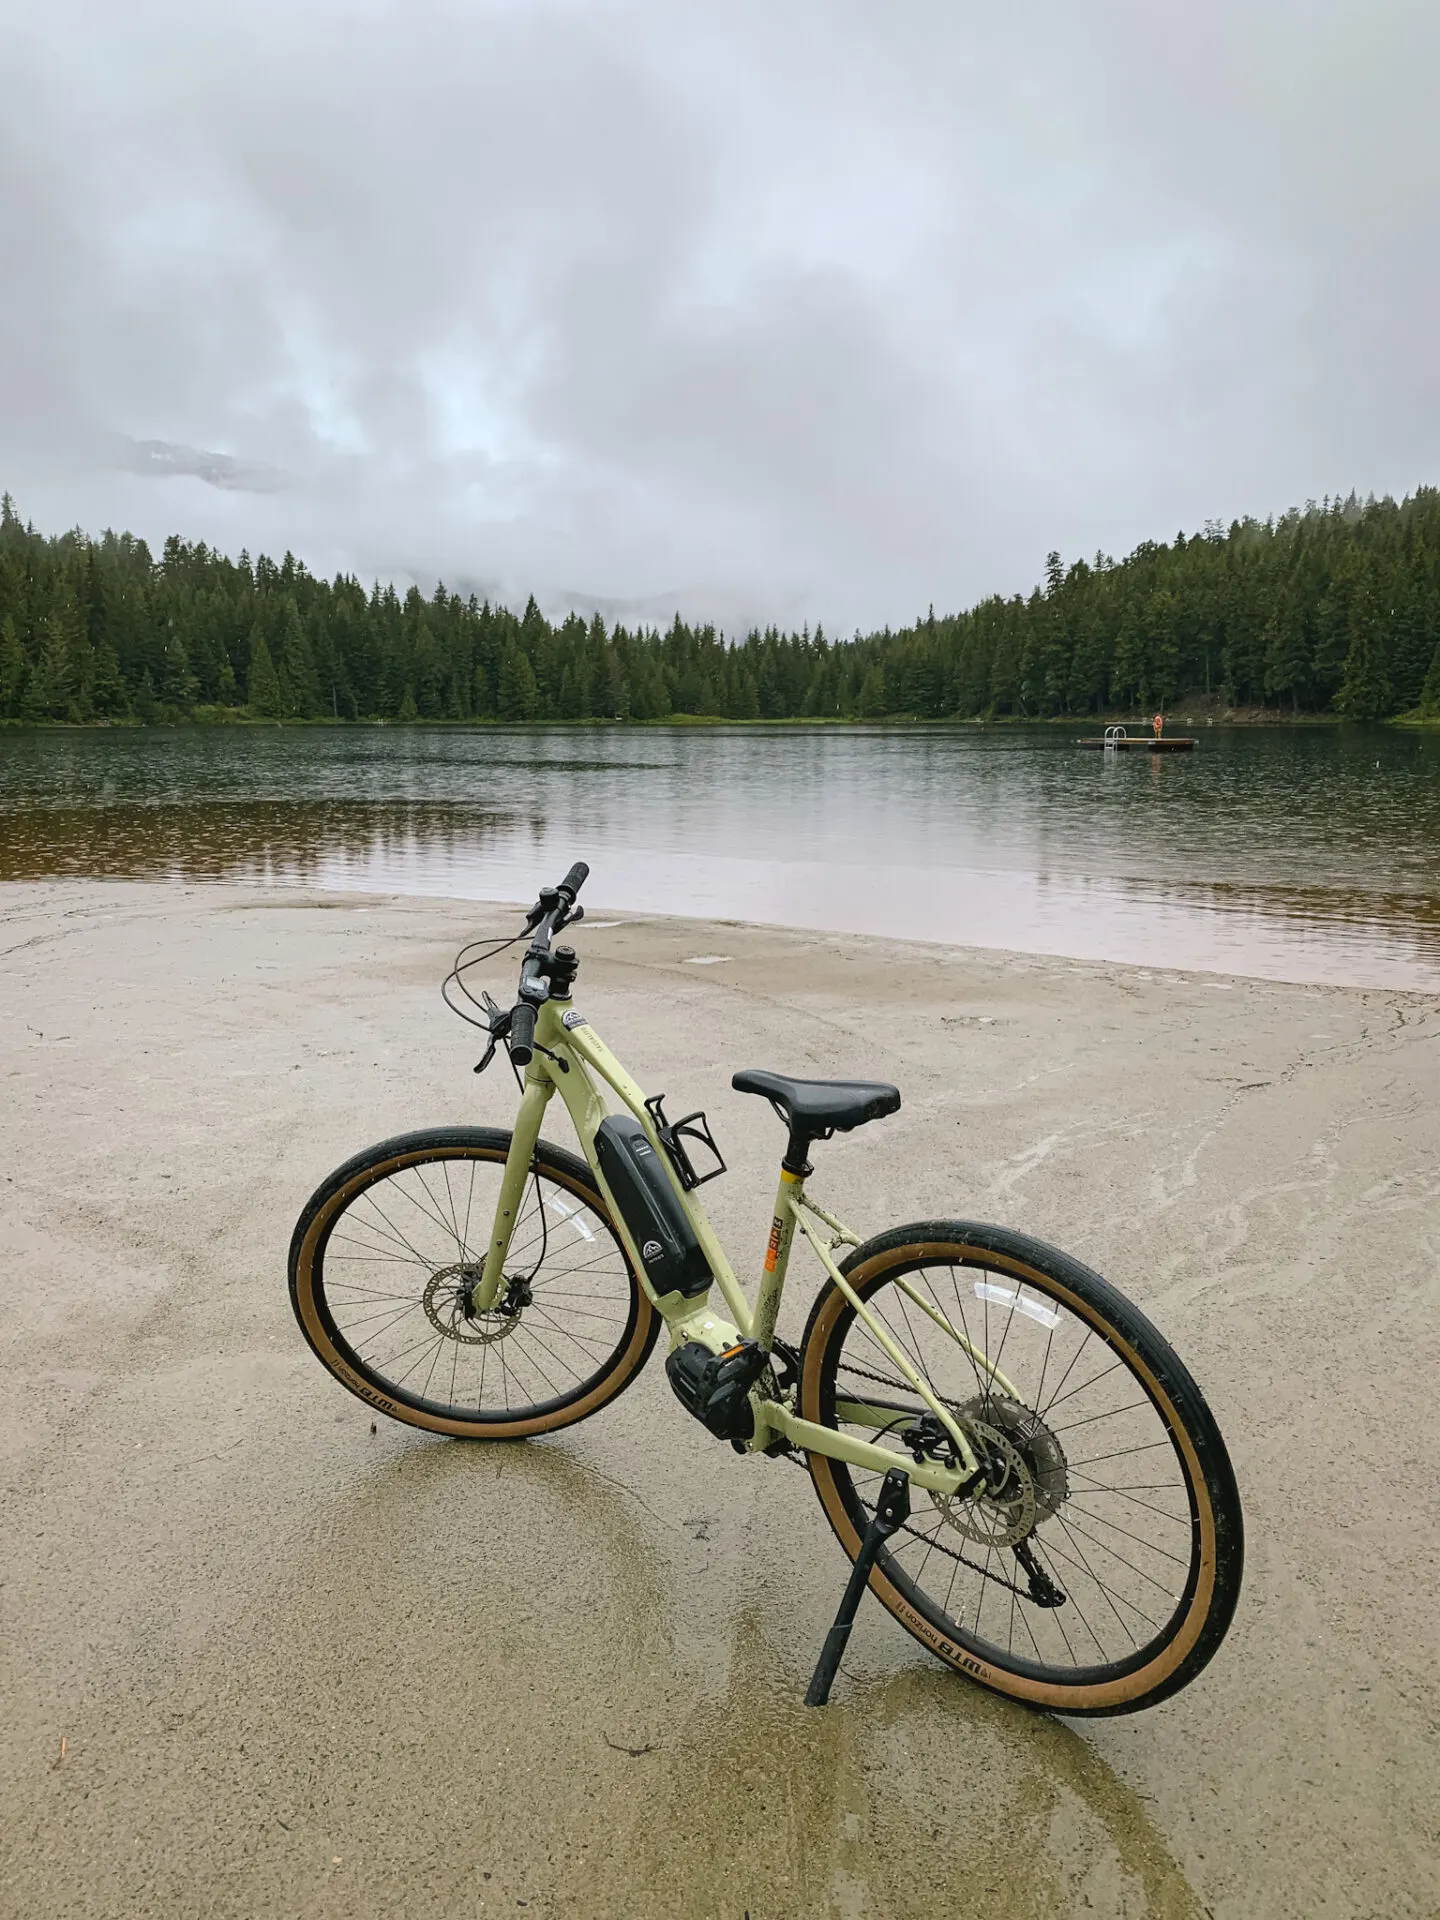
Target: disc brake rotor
column 1027, row 1482
column 446, row 1298
column 993, row 1518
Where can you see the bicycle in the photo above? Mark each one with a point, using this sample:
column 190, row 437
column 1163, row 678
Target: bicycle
column 1074, row 1545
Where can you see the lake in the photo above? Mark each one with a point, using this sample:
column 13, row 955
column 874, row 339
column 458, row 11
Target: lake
column 1300, row 854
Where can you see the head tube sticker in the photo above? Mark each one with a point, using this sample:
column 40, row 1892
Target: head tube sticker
column 573, row 1019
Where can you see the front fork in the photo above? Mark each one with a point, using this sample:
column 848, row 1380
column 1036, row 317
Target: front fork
column 533, row 1102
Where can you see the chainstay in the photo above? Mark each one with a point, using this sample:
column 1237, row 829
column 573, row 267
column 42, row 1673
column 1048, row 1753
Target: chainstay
column 986, row 1573
column 931, row 1540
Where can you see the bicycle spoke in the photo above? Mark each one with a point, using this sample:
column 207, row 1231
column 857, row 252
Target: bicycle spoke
column 402, row 1311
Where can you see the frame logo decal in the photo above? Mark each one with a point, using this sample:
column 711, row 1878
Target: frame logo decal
column 772, row 1251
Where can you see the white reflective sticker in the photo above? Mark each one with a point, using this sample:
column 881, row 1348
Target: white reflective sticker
column 1013, row 1298
column 569, row 1213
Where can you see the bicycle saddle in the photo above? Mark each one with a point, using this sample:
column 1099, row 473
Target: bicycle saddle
column 814, row 1108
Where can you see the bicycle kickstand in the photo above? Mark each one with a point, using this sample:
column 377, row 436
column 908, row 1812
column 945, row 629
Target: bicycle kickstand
column 892, row 1510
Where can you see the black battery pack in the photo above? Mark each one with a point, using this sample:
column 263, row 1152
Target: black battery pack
column 673, row 1259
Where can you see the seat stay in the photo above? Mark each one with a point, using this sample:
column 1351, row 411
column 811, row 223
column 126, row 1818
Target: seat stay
column 843, row 1235
column 890, row 1346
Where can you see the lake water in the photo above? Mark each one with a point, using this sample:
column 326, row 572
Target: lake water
column 1303, row 854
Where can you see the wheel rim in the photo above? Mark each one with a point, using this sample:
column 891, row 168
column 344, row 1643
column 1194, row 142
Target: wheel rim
column 1105, row 1504
column 398, row 1258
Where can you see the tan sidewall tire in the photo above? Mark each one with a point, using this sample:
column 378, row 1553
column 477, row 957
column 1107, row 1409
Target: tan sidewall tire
column 330, row 1201
column 1158, row 1676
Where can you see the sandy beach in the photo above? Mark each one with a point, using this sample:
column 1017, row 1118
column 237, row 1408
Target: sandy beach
column 258, row 1660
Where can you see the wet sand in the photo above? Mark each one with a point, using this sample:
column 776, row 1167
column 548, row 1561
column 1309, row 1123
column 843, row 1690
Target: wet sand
column 303, row 1669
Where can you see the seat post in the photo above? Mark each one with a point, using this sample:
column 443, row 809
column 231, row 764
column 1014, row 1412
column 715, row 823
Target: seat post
column 797, row 1155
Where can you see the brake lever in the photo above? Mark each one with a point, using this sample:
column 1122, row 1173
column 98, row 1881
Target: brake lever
column 499, row 1027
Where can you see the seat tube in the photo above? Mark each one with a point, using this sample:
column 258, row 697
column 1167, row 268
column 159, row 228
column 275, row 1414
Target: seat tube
column 777, row 1257
column 538, row 1089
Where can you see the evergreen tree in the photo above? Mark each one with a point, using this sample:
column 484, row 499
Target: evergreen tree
column 263, row 686
column 1430, row 692
column 1287, row 653
column 1365, row 690
column 871, row 703
column 56, row 690
column 12, row 663
column 1333, row 607
column 299, row 683
column 518, row 696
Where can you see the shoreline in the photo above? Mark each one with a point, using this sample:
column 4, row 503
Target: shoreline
column 241, row 1560
column 900, row 722
column 1281, row 956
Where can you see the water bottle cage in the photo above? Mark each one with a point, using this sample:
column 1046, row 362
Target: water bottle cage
column 694, row 1126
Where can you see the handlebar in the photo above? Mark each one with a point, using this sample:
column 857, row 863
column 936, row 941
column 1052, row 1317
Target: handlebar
column 522, row 1033
column 553, row 910
column 573, row 881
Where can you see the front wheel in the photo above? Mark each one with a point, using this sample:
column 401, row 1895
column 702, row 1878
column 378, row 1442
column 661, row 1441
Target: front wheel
column 385, row 1259
column 1097, row 1565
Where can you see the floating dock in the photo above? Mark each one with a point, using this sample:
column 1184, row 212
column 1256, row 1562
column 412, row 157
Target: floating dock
column 1117, row 740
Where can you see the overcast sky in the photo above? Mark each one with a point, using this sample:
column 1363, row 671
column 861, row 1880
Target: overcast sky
column 762, row 309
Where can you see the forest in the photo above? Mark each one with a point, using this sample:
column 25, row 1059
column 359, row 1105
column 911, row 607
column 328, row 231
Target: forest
column 1329, row 609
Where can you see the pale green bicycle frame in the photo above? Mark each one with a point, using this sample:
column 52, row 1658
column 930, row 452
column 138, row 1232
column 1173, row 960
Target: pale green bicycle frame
column 575, row 1058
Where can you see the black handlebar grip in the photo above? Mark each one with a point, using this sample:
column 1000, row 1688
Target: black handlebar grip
column 573, row 881
column 522, row 1034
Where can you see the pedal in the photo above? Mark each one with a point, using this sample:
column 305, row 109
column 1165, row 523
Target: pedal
column 715, row 1387
column 892, row 1510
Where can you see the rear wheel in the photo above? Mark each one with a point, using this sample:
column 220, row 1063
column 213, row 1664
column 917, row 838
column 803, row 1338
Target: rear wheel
column 1097, row 1567
column 383, row 1266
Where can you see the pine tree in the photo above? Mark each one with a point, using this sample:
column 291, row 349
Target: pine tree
column 1430, row 692
column 1287, row 652
column 518, row 696
column 484, row 703
column 1336, row 605
column 1127, row 678
column 299, row 683
column 871, row 701
column 1365, row 690
column 263, row 686
column 56, row 688
column 12, row 662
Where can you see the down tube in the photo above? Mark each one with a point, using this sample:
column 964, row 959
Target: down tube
column 588, row 1048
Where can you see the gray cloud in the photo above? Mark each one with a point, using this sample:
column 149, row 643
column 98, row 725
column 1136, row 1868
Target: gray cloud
column 163, row 460
column 791, row 310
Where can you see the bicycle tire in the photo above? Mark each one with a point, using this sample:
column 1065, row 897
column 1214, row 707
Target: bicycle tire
column 321, row 1316
column 1184, row 1642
